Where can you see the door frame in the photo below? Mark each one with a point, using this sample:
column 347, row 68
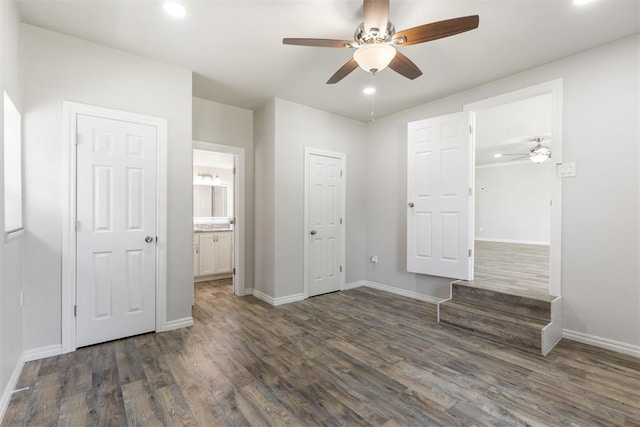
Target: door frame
column 308, row 151
column 238, row 210
column 70, row 112
column 554, row 88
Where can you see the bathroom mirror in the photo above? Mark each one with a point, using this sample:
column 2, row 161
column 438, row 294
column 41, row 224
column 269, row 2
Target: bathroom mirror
column 211, row 201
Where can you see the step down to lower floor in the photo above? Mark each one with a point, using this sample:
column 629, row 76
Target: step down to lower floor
column 529, row 323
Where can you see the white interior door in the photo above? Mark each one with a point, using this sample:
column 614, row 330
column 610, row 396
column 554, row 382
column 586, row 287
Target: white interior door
column 116, row 230
column 439, row 187
column 324, row 210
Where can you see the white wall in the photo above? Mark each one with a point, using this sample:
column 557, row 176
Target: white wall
column 297, row 127
column 600, row 207
column 226, row 125
column 512, row 202
column 57, row 67
column 265, row 223
column 11, row 253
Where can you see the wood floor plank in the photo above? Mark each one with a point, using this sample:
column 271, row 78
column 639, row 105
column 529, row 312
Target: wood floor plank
column 138, row 405
column 359, row 357
column 74, row 410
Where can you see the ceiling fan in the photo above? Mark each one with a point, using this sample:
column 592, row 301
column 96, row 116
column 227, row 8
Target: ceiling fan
column 538, row 154
column 375, row 41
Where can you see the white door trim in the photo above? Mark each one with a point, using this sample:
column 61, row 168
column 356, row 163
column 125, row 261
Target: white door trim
column 238, row 210
column 70, row 112
column 308, row 151
column 553, row 87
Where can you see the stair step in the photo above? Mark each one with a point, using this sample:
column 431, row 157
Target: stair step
column 538, row 307
column 514, row 329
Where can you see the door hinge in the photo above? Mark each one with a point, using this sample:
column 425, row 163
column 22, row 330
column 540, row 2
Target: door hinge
column 234, row 170
column 77, row 225
column 340, row 221
column 77, row 138
column 470, row 252
column 340, row 174
column 470, row 191
column 156, row 239
column 470, row 129
column 75, row 311
column 340, row 269
column 234, row 270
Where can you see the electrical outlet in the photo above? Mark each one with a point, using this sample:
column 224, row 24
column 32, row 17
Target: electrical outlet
column 374, row 259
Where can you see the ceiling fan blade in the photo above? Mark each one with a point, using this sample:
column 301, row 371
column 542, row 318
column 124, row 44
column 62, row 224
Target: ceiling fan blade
column 376, row 14
column 317, row 42
column 403, row 65
column 436, row 30
column 518, row 158
column 343, row 71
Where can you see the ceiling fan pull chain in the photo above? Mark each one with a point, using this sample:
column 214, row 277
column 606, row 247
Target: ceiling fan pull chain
column 373, row 97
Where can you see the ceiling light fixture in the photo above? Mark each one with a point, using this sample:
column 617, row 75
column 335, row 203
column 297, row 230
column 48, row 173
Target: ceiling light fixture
column 539, row 153
column 174, row 9
column 374, row 57
column 497, row 155
column 370, row 90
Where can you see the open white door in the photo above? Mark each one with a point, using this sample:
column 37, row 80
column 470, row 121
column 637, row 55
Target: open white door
column 439, row 201
column 116, row 229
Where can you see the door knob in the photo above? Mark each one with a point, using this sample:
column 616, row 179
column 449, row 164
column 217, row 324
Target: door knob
column 313, row 232
column 411, row 204
column 148, row 239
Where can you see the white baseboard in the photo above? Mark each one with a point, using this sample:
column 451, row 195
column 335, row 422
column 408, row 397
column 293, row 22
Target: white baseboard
column 42, row 352
column 246, row 292
column 394, row 290
column 11, row 384
column 517, row 241
column 277, row 301
column 354, row 285
column 620, row 347
column 177, row 324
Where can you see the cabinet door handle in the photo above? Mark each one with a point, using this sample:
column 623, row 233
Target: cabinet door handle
column 411, row 204
column 313, row 232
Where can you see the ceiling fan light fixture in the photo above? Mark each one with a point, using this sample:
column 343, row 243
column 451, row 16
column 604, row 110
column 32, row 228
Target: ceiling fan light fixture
column 539, row 154
column 369, row 90
column 374, row 57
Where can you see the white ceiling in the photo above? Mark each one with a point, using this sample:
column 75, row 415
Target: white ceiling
column 234, row 47
column 510, row 128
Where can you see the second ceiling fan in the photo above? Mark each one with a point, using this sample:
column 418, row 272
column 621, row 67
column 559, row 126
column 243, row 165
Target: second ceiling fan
column 375, row 41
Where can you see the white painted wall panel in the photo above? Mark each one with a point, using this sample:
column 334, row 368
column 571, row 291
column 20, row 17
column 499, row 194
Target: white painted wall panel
column 512, row 202
column 11, row 253
column 600, row 256
column 114, row 79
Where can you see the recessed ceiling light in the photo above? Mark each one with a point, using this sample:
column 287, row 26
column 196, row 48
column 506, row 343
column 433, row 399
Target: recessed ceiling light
column 174, row 9
column 369, row 90
column 497, row 155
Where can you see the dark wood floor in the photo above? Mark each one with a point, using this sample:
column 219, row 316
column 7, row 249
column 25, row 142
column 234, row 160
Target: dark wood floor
column 359, row 357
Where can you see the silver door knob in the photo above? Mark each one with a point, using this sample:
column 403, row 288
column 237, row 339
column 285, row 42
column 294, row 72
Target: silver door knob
column 313, row 232
column 411, row 204
column 148, row 239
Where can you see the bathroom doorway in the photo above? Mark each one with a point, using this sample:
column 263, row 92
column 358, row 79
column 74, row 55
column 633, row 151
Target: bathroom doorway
column 218, row 225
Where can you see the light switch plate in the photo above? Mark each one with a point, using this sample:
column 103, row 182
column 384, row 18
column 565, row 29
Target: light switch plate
column 566, row 170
